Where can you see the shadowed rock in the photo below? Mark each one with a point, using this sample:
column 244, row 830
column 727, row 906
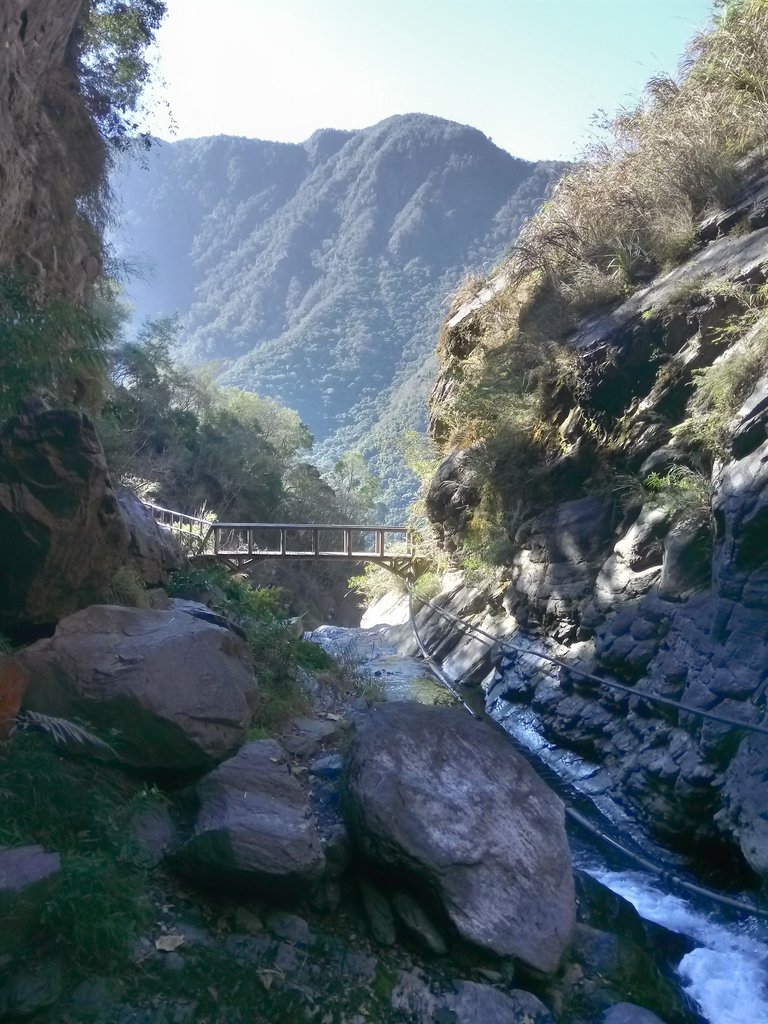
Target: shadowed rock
column 254, row 828
column 62, row 536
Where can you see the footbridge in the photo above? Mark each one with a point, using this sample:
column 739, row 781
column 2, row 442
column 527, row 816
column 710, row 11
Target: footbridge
column 238, row 545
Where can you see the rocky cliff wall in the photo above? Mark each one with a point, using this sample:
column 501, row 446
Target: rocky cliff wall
column 652, row 569
column 51, row 155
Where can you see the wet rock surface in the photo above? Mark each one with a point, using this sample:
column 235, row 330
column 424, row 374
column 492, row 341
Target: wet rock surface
column 498, row 869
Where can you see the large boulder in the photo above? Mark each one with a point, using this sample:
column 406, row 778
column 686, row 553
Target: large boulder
column 171, row 691
column 254, row 829
column 153, row 550
column 445, row 802
column 62, row 536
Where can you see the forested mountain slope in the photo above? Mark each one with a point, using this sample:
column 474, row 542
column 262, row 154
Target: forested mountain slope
column 316, row 273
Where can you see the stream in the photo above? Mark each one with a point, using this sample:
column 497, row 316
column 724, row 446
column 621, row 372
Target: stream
column 727, row 974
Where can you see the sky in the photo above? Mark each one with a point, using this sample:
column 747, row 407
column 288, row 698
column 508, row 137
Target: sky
column 530, row 74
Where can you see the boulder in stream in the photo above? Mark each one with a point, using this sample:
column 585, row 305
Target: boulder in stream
column 445, row 803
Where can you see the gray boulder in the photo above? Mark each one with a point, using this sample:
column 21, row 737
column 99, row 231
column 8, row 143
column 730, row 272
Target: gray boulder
column 172, row 692
column 468, row 1003
column 28, row 878
column 473, row 1003
column 445, row 801
column 254, row 829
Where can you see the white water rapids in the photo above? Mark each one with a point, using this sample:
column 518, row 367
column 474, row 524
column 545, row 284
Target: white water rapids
column 727, row 974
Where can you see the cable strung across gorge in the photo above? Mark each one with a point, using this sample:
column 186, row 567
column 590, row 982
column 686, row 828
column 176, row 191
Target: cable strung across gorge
column 571, row 812
column 485, row 637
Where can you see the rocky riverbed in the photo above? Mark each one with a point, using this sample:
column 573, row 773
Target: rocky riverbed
column 725, row 971
column 395, row 861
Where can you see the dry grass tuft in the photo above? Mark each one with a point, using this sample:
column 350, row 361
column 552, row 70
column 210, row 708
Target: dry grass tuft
column 631, row 207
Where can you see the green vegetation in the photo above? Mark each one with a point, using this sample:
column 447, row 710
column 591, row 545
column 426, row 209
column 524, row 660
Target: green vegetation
column 113, row 66
column 375, row 582
column 325, row 296
column 50, row 346
column 177, row 437
column 102, row 904
column 686, row 493
column 720, row 389
column 535, row 416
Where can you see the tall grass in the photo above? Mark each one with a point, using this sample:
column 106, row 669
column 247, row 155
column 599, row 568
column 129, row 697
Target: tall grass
column 630, row 207
column 719, row 391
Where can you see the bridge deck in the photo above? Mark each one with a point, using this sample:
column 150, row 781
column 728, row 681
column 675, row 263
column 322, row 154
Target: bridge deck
column 238, row 544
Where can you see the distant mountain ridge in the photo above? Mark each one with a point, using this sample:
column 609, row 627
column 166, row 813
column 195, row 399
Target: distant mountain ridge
column 317, row 273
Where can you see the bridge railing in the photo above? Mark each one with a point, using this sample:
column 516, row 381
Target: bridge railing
column 285, row 540
column 193, row 533
column 311, row 540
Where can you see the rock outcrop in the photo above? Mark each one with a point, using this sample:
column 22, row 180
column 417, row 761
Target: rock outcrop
column 170, row 692
column 254, row 830
column 497, row 868
column 50, row 151
column 62, row 536
column 668, row 595
column 152, row 550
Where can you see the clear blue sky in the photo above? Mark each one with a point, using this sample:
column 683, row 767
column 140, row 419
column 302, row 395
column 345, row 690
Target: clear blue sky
column 528, row 73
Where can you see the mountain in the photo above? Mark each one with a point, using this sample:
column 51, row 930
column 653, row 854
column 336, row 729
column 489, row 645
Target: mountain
column 318, row 273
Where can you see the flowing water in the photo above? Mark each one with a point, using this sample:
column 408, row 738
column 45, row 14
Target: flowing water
column 727, row 974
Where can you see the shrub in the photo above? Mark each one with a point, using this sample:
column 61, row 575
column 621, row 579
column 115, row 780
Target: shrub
column 375, row 582
column 686, row 493
column 718, row 392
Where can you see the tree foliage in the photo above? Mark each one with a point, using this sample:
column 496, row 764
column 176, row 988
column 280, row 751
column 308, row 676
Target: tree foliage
column 115, row 36
column 195, row 446
column 50, row 347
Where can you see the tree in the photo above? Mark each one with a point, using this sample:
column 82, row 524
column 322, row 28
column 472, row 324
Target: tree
column 114, row 38
column 357, row 489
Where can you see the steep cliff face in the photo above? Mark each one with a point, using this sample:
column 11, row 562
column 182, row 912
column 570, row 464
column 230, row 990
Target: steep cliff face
column 637, row 547
column 51, row 155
